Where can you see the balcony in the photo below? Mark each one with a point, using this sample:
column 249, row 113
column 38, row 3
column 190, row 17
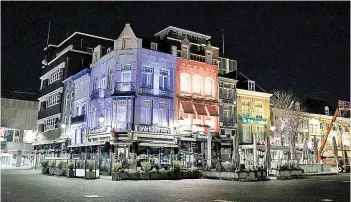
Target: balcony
column 49, row 111
column 78, row 119
column 124, row 87
column 51, row 87
column 98, row 93
column 199, row 58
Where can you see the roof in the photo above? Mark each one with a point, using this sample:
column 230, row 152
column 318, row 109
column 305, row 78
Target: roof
column 19, row 95
column 76, row 33
column 164, row 31
column 317, row 106
column 242, row 81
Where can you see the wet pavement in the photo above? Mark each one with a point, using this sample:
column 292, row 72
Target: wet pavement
column 29, row 185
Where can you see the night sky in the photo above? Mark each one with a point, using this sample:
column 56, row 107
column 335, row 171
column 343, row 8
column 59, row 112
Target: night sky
column 302, row 46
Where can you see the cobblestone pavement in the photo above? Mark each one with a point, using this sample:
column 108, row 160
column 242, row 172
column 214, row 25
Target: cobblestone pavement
column 29, row 185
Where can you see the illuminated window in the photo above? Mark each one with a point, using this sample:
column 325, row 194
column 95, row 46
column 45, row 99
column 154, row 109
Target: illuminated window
column 67, row 100
column 153, row 46
column 251, row 85
column 185, row 51
column 184, row 82
column 326, row 110
column 208, row 57
column 126, row 43
column 147, row 77
column 259, row 109
column 245, row 108
column 164, row 79
column 122, row 110
column 197, row 85
column 110, row 79
column 103, row 83
column 163, row 115
column 57, row 75
column 209, row 87
column 51, row 124
column 126, row 73
column 146, row 112
column 53, row 99
column 247, row 137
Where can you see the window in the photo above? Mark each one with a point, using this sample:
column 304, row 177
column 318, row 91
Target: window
column 81, row 135
column 245, row 108
column 321, row 126
column 122, row 110
column 110, row 79
column 126, row 43
column 146, row 112
column 126, row 73
column 53, row 99
column 227, row 114
column 103, row 82
column 67, row 100
column 260, row 133
column 197, row 85
column 251, row 85
column 259, row 109
column 153, row 46
column 164, row 81
column 163, row 115
column 50, row 124
column 184, row 82
column 56, row 75
column 77, row 110
column 147, row 77
column 66, row 120
column 208, row 57
column 326, row 110
column 209, row 87
column 71, row 101
column 247, row 137
column 326, row 125
column 95, row 83
column 75, row 136
column 184, row 52
column 83, row 109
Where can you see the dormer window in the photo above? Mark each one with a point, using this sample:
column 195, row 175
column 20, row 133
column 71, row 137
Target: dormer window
column 209, row 57
column 251, row 85
column 185, row 51
column 297, row 106
column 154, row 46
column 126, row 43
column 326, row 110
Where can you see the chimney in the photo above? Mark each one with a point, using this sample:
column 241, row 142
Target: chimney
column 174, row 51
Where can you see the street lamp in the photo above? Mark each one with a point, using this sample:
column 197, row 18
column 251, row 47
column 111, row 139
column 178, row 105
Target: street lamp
column 272, row 128
column 63, row 125
column 101, row 118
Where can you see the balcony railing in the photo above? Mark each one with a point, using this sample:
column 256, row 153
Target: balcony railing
column 124, row 87
column 98, row 93
column 199, row 58
column 78, row 119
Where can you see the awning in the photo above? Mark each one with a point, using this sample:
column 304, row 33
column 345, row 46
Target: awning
column 187, row 107
column 200, row 109
column 158, row 145
column 212, row 110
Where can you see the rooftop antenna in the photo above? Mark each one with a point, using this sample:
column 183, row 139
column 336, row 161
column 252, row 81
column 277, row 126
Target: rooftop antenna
column 223, row 41
column 45, row 62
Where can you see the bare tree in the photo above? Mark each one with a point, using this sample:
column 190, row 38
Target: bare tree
column 290, row 118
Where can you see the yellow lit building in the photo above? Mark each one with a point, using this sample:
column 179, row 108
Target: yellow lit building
column 253, row 109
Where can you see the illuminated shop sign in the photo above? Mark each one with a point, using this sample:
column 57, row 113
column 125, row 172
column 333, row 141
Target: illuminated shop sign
column 253, row 120
column 152, row 129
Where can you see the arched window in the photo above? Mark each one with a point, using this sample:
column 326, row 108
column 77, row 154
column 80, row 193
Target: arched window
column 326, row 110
column 184, row 82
column 209, row 86
column 197, row 85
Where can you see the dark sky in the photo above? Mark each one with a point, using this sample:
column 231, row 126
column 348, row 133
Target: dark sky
column 302, row 46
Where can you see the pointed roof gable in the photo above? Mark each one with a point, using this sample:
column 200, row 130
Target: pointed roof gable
column 127, row 32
